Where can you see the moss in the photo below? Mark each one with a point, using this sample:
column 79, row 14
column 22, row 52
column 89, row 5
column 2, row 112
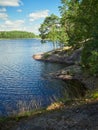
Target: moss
column 46, row 55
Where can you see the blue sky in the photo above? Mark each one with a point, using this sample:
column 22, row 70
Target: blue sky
column 25, row 15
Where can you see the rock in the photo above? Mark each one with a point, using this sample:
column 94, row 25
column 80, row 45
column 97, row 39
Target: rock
column 55, row 105
column 74, row 72
column 60, row 56
column 38, row 56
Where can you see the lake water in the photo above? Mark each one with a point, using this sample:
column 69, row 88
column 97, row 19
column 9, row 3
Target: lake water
column 24, row 84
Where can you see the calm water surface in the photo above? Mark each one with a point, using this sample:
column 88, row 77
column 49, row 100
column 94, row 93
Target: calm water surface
column 23, row 81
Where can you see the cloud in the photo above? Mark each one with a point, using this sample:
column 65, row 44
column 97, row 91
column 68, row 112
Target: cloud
column 12, row 25
column 32, row 28
column 10, row 2
column 38, row 15
column 9, row 25
column 13, row 22
column 3, row 16
column 2, row 9
column 19, row 10
column 16, row 23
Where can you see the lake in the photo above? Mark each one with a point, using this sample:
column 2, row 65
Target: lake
column 24, row 82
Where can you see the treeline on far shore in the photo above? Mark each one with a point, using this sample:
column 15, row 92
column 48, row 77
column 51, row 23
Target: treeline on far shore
column 16, row 34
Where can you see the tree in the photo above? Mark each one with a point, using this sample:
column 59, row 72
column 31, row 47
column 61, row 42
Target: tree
column 80, row 21
column 16, row 34
column 49, row 28
column 69, row 11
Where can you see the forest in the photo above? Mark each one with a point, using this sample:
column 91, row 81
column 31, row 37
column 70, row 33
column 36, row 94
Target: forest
column 77, row 27
column 16, row 34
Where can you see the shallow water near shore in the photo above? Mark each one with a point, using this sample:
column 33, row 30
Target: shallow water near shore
column 24, row 82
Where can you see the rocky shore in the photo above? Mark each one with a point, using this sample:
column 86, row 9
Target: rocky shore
column 72, row 61
column 60, row 56
column 74, row 117
column 82, row 114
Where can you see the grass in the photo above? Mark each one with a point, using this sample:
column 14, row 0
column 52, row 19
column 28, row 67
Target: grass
column 91, row 95
column 94, row 94
column 7, row 123
column 23, row 115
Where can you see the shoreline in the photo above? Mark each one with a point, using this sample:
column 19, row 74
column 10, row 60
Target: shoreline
column 55, row 56
column 17, row 38
column 75, row 114
column 72, row 71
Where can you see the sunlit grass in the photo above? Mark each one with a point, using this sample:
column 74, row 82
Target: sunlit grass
column 94, row 95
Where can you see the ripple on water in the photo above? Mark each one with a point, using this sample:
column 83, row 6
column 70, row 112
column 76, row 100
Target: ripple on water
column 23, row 82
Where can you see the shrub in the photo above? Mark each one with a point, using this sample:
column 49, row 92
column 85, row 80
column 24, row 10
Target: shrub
column 90, row 57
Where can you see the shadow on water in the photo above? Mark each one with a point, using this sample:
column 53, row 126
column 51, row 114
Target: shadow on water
column 75, row 89
column 70, row 90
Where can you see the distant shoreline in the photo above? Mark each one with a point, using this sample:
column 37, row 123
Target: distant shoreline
column 17, row 38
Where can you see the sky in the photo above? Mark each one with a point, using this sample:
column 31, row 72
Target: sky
column 26, row 15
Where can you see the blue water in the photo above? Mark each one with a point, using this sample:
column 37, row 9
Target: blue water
column 24, row 82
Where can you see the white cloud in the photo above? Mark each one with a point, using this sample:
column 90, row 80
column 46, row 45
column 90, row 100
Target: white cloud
column 2, row 9
column 12, row 25
column 19, row 10
column 10, row 2
column 17, row 21
column 3, row 16
column 38, row 15
column 32, row 28
column 9, row 25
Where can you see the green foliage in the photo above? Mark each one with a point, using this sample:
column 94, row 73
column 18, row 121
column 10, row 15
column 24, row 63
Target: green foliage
column 90, row 57
column 63, row 37
column 92, row 94
column 95, row 95
column 77, row 27
column 69, row 11
column 16, row 34
column 49, row 28
column 79, row 18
